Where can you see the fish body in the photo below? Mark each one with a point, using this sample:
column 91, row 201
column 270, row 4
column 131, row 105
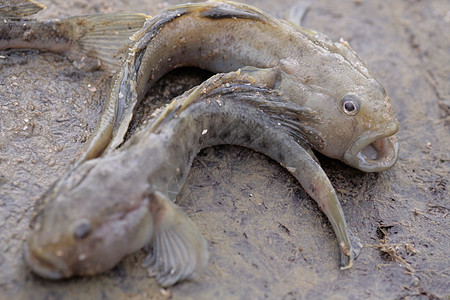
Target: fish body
column 303, row 93
column 214, row 36
column 134, row 186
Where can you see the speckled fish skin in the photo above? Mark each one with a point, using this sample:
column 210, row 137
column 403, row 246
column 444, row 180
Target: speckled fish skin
column 324, row 99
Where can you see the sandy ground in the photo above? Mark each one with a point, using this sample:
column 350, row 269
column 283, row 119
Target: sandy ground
column 266, row 237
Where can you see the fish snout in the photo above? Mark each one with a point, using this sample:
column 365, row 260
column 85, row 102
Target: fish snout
column 374, row 151
column 44, row 264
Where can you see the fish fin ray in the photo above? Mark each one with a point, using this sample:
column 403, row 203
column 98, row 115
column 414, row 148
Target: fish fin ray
column 227, row 10
column 356, row 244
column 106, row 36
column 294, row 118
column 19, row 8
column 179, row 251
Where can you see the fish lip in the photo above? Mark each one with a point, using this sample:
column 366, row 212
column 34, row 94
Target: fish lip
column 47, row 267
column 382, row 143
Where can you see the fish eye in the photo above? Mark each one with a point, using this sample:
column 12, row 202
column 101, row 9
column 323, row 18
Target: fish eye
column 350, row 104
column 82, row 230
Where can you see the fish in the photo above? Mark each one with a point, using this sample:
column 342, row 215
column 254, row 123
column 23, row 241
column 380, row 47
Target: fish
column 104, row 215
column 295, row 91
column 92, row 42
column 214, row 36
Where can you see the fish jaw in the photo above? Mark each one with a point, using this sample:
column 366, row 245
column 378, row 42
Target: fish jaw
column 97, row 253
column 374, row 151
column 49, row 267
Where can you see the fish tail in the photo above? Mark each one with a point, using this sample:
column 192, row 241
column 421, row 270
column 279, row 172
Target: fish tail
column 19, row 8
column 103, row 36
column 179, row 251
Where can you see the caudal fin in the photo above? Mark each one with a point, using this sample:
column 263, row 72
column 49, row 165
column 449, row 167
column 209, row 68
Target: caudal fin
column 19, row 8
column 104, row 36
column 179, row 251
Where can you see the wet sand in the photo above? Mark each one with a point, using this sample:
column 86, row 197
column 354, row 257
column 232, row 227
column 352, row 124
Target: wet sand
column 266, row 237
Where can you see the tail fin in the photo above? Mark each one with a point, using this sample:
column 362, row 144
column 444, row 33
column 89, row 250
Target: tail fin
column 19, row 8
column 104, row 36
column 179, row 251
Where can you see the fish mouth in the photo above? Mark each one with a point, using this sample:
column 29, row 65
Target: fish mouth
column 49, row 267
column 375, row 151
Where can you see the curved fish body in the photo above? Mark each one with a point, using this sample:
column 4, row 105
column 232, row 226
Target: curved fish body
column 304, row 92
column 215, row 36
column 113, row 205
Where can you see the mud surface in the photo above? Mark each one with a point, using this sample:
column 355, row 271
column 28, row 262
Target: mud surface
column 266, row 237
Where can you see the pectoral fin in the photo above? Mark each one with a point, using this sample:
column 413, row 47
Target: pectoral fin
column 257, row 87
column 179, row 252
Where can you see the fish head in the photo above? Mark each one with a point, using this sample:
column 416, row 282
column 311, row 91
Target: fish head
column 356, row 124
column 92, row 217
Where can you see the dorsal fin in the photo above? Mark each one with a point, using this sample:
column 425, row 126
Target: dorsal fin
column 229, row 10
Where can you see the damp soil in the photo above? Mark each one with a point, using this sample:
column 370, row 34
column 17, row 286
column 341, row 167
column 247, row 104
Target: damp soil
column 266, row 237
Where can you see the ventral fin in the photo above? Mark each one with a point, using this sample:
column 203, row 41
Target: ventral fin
column 178, row 251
